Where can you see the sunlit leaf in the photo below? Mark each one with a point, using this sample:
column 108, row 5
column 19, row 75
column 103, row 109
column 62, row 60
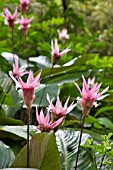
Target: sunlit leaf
column 9, row 89
column 19, row 131
column 42, row 147
column 6, row 155
column 41, row 94
column 67, row 142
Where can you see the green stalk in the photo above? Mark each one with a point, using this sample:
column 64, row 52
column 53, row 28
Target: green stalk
column 13, row 43
column 46, row 85
column 28, row 123
column 82, row 126
column 6, row 94
column 27, row 58
column 13, row 62
column 102, row 160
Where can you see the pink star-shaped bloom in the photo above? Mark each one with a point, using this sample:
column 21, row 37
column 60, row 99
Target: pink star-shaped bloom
column 58, row 110
column 89, row 95
column 63, row 34
column 28, row 87
column 56, row 54
column 25, row 24
column 24, row 5
column 45, row 125
column 17, row 72
column 10, row 18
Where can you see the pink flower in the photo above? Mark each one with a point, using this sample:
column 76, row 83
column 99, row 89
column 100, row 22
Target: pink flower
column 91, row 82
column 45, row 125
column 89, row 95
column 28, row 87
column 17, row 72
column 55, row 51
column 24, row 5
column 63, row 34
column 25, row 24
column 10, row 18
column 58, row 110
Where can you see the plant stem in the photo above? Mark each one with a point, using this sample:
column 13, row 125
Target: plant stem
column 82, row 126
column 27, row 58
column 28, row 123
column 102, row 160
column 46, row 85
column 6, row 94
column 13, row 44
column 20, row 34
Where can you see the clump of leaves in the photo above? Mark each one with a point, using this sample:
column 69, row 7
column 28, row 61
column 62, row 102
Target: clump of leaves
column 102, row 152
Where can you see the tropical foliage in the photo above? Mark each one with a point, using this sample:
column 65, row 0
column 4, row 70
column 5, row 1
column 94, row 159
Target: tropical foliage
column 90, row 33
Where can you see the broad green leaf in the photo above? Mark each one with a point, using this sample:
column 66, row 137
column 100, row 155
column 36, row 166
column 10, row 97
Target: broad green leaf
column 2, row 113
column 52, row 90
column 103, row 109
column 6, row 155
column 90, row 119
column 9, row 88
column 41, row 61
column 106, row 122
column 20, row 169
column 67, row 78
column 43, row 153
column 6, row 99
column 19, row 131
column 10, row 121
column 72, row 68
column 9, row 57
column 67, row 142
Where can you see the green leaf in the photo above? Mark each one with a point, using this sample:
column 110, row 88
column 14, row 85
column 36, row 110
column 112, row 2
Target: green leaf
column 6, row 155
column 7, row 86
column 75, row 64
column 20, row 131
column 2, row 113
column 43, row 153
column 20, row 169
column 103, row 109
column 106, row 122
column 41, row 61
column 7, row 99
column 52, row 90
column 10, row 121
column 67, row 142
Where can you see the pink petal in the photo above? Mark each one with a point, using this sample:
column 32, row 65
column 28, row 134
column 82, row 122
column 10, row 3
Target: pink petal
column 36, row 79
column 85, row 86
column 58, row 106
column 78, row 88
column 58, row 122
column 18, row 85
column 7, row 12
column 15, row 66
column 23, row 85
column 47, row 119
column 29, row 20
column 65, row 51
column 56, row 46
column 65, row 105
column 104, row 90
column 71, row 107
column 15, row 15
column 38, row 116
column 51, row 106
column 42, row 119
column 30, row 78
